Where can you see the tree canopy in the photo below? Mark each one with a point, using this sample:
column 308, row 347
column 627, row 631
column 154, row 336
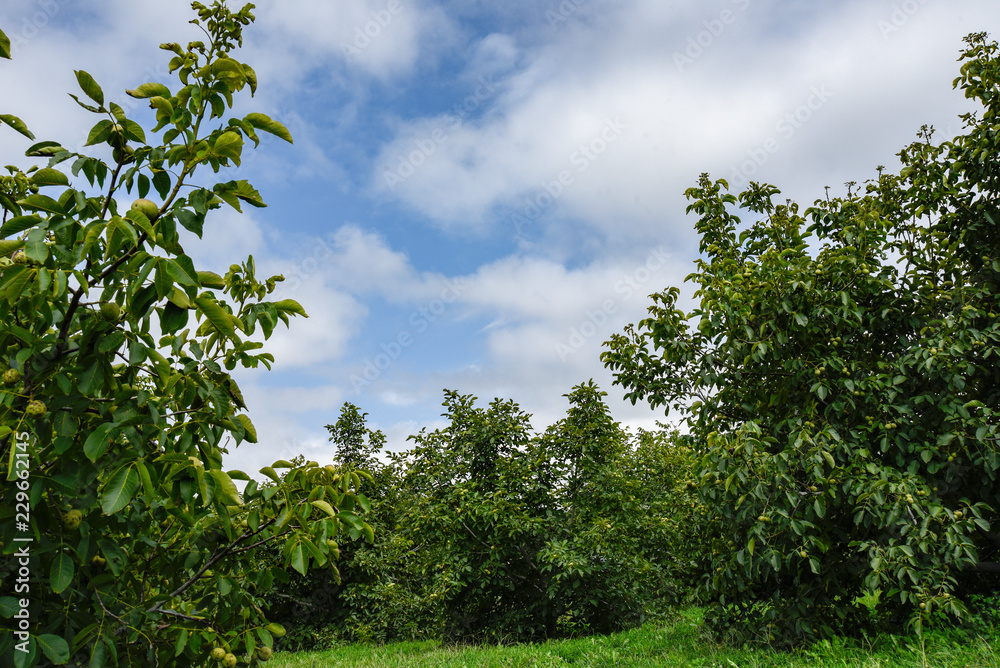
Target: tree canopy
column 842, row 372
column 125, row 541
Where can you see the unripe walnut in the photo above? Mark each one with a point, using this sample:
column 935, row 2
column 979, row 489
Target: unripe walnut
column 72, row 519
column 11, row 376
column 218, row 654
column 35, row 409
column 146, row 207
column 110, row 311
column 229, row 661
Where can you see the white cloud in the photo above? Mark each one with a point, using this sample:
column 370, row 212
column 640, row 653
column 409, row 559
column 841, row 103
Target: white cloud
column 382, row 38
column 678, row 120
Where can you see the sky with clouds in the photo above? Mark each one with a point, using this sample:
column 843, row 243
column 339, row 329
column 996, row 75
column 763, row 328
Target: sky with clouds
column 480, row 194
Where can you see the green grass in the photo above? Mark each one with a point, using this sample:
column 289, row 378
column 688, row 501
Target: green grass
column 679, row 644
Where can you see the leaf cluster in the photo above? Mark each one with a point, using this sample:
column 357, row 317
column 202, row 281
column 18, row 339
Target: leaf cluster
column 840, row 372
column 118, row 404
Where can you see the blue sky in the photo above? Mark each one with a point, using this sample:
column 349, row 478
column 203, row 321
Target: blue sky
column 480, row 194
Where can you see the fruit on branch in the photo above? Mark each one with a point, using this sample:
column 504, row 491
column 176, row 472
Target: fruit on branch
column 146, row 207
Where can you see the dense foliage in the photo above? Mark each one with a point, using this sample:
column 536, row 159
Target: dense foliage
column 124, row 540
column 842, row 372
column 487, row 530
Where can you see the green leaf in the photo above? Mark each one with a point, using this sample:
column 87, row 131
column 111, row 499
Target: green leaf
column 235, row 191
column 17, row 124
column 61, row 572
column 217, row 315
column 90, row 87
column 174, row 318
column 290, row 306
column 151, row 89
column 98, row 442
column 19, row 224
column 297, row 557
column 209, row 279
column 49, row 177
column 8, row 246
column 161, row 182
column 267, row 124
column 325, row 507
column 181, row 642
column 142, row 222
column 230, row 495
column 120, row 489
column 249, row 431
column 89, row 107
column 191, row 222
column 147, row 482
column 134, row 131
column 29, row 658
column 41, row 203
column 9, row 606
column 180, row 273
column 4, row 46
column 100, row 132
column 229, row 145
column 17, row 284
column 55, row 648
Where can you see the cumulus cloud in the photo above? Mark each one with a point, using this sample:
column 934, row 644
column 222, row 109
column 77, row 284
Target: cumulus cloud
column 688, row 88
column 382, row 38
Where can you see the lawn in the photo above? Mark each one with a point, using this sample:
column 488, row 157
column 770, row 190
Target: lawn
column 681, row 643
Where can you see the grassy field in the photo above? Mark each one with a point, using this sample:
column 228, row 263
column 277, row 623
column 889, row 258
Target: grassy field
column 678, row 644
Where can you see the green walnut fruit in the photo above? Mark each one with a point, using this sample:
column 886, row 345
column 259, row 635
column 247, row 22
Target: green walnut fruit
column 11, row 376
column 72, row 519
column 146, row 207
column 35, row 409
column 264, row 653
column 218, row 654
column 20, row 258
column 111, row 311
column 124, row 155
column 98, row 560
column 229, row 661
